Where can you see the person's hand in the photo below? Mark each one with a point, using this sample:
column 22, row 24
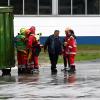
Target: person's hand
column 62, row 50
column 41, row 46
column 24, row 51
column 65, row 43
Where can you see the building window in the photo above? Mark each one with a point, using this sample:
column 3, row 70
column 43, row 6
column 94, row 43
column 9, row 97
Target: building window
column 93, row 6
column 45, row 7
column 30, row 7
column 41, row 8
column 18, row 6
column 3, row 2
column 59, row 7
column 64, row 6
column 78, row 7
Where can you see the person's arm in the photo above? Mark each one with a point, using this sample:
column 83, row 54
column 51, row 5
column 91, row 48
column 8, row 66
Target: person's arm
column 61, row 47
column 46, row 44
column 71, row 43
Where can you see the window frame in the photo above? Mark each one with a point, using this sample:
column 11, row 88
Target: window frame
column 56, row 11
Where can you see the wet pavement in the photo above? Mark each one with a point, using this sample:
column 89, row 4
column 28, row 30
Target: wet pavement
column 83, row 85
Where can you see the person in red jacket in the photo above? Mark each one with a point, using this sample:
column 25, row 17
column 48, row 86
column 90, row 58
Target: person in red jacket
column 70, row 48
column 21, row 51
column 32, row 45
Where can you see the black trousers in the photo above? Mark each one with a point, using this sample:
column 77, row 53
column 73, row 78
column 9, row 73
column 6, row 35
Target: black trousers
column 66, row 61
column 53, row 59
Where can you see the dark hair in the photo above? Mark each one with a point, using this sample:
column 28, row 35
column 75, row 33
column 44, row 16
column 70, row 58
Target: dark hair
column 72, row 33
column 56, row 31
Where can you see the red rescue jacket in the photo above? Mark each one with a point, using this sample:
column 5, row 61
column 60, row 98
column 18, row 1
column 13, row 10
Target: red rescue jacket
column 31, row 40
column 33, row 44
column 71, row 46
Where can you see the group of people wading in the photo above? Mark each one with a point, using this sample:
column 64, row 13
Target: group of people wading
column 29, row 47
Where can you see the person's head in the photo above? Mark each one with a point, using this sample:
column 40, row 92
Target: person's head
column 72, row 33
column 32, row 29
column 27, row 32
column 22, row 31
column 67, row 32
column 56, row 33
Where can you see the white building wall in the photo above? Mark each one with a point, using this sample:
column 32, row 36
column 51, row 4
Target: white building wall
column 82, row 26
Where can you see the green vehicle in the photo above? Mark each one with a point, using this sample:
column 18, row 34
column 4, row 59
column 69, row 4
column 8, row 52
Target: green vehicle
column 7, row 56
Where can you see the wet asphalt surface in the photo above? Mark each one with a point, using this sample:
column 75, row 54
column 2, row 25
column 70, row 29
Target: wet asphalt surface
column 83, row 85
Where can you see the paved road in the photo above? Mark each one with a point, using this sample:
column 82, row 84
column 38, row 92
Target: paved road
column 83, row 85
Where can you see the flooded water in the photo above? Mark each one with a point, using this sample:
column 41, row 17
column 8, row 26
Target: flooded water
column 83, row 85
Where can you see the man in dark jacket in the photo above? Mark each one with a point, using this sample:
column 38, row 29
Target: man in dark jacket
column 53, row 44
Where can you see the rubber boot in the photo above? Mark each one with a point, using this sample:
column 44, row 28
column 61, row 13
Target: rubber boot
column 53, row 70
column 6, row 72
column 36, row 70
column 72, row 69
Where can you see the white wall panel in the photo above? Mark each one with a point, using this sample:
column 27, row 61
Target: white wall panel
column 83, row 26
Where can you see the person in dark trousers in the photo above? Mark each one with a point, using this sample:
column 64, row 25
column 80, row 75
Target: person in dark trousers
column 66, row 63
column 70, row 49
column 54, row 46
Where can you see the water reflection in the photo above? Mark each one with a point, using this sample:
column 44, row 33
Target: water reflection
column 34, row 78
column 69, row 78
column 7, row 79
column 54, row 79
column 47, row 86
